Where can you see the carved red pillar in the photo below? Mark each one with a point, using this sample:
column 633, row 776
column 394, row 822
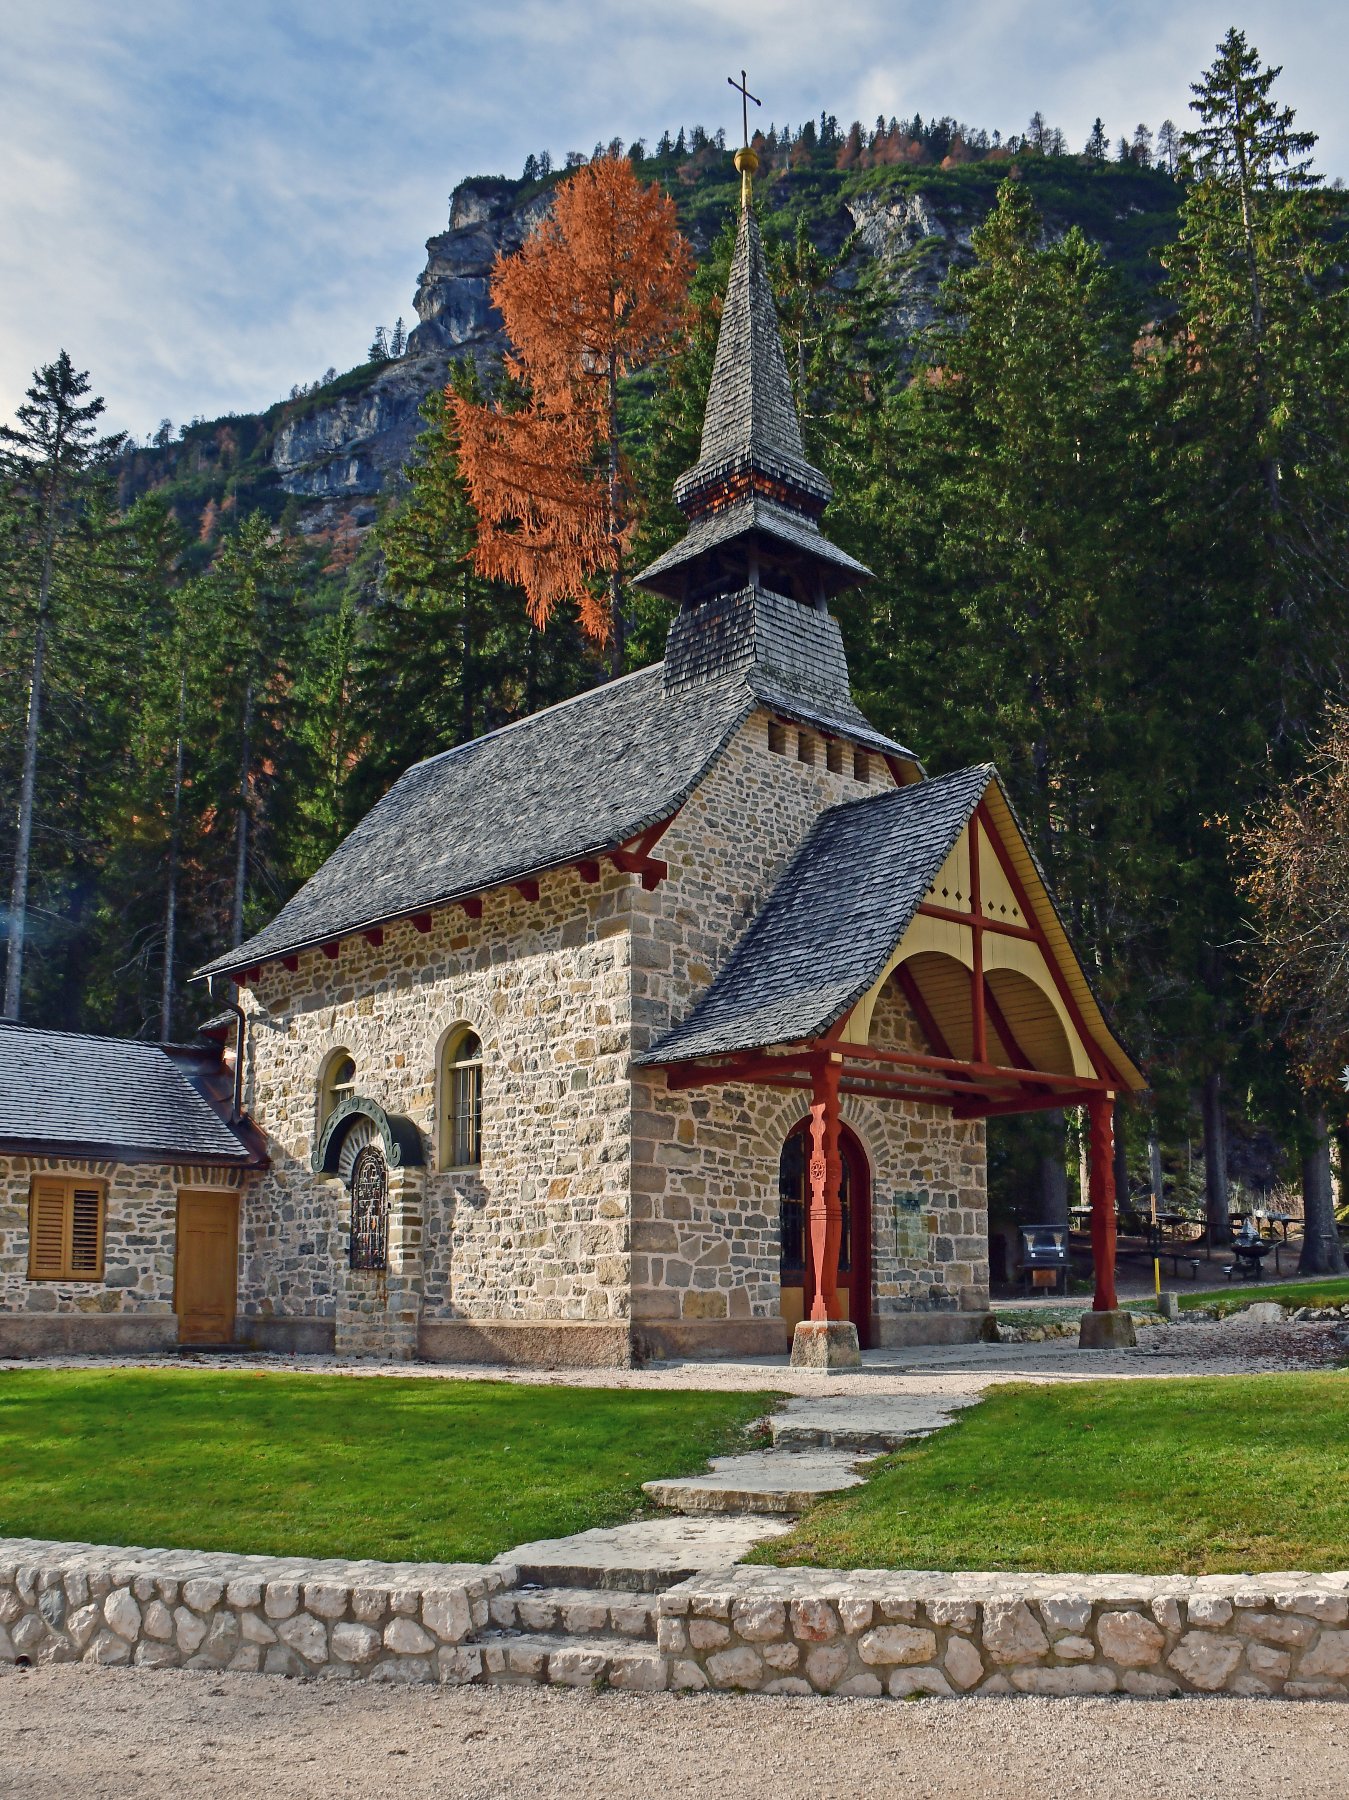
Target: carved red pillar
column 826, row 1178
column 1101, row 1178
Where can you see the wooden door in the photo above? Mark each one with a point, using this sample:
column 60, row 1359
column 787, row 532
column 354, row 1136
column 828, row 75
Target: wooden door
column 206, row 1277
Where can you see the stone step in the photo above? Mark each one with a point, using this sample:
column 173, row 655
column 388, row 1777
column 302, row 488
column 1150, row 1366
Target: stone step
column 774, row 1482
column 861, row 1423
column 644, row 1557
column 516, row 1658
column 577, row 1612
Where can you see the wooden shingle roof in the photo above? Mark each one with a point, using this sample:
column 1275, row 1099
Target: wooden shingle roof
column 556, row 787
column 831, row 920
column 71, row 1092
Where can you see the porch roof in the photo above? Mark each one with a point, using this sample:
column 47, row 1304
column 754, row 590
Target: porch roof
column 837, row 914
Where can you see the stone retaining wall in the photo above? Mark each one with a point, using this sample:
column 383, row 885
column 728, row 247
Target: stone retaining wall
column 191, row 1609
column 773, row 1631
column 808, row 1631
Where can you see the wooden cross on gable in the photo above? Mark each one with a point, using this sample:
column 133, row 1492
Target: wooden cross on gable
column 745, row 98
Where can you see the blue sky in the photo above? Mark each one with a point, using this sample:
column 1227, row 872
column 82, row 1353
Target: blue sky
column 206, row 203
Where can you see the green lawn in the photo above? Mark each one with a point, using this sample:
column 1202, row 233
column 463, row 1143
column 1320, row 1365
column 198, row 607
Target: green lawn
column 338, row 1466
column 1196, row 1476
column 1324, row 1292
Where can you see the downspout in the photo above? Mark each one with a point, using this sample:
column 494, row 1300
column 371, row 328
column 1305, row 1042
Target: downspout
column 237, row 1110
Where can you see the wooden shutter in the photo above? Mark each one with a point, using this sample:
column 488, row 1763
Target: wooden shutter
column 65, row 1231
column 47, row 1231
column 86, row 1233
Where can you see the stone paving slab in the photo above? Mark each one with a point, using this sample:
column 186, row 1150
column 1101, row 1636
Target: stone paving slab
column 863, row 1422
column 761, row 1481
column 644, row 1556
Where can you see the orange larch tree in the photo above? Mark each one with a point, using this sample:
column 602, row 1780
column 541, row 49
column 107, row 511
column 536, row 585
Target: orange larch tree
column 597, row 290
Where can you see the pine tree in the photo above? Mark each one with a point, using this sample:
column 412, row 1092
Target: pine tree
column 251, row 592
column 45, row 460
column 379, row 346
column 1253, row 627
column 446, row 653
column 1168, row 147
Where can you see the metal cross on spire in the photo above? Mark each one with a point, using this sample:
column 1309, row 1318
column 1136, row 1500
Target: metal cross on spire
column 745, row 98
column 745, row 159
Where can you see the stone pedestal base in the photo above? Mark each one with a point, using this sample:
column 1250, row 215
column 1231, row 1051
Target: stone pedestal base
column 825, row 1344
column 1106, row 1331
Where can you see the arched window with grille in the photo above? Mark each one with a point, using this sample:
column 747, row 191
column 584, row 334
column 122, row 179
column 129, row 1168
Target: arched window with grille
column 336, row 1084
column 461, row 1099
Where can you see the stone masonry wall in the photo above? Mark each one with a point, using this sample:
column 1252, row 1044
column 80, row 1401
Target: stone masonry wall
column 817, row 1631
column 540, row 1230
column 866, row 1634
column 191, row 1609
column 559, row 991
column 929, row 1197
column 705, row 1203
column 139, row 1236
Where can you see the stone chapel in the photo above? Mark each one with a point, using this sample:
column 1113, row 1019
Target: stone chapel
column 650, row 1025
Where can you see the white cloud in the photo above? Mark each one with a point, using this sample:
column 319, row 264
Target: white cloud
column 205, row 204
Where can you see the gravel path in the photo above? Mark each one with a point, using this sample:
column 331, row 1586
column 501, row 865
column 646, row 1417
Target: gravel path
column 104, row 1733
column 1234, row 1346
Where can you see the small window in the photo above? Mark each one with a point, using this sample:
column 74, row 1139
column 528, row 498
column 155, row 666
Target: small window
column 461, row 1101
column 805, row 747
column 338, row 1084
column 861, row 766
column 777, row 739
column 65, row 1230
column 833, row 757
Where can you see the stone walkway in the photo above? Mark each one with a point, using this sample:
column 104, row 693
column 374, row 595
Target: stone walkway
column 666, row 1602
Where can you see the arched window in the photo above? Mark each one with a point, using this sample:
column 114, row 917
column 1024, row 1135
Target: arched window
column 461, row 1100
column 337, row 1083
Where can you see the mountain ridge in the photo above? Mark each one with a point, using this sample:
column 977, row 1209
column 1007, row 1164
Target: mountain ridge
column 320, row 461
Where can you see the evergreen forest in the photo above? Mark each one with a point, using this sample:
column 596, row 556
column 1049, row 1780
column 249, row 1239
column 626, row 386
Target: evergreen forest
column 1105, row 498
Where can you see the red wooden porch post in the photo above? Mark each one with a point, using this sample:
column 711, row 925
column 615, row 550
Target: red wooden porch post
column 1101, row 1177
column 826, row 1176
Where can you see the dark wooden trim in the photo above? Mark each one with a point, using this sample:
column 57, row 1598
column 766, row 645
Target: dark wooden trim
column 930, row 910
column 73, row 1151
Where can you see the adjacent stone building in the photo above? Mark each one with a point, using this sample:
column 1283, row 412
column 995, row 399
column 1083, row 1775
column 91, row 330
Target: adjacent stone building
column 662, row 1018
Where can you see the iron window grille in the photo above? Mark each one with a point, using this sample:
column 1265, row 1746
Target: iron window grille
column 369, row 1210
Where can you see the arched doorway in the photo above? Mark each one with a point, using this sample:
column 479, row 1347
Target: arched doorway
column 854, row 1255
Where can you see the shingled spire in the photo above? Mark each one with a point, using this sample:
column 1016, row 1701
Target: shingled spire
column 752, row 499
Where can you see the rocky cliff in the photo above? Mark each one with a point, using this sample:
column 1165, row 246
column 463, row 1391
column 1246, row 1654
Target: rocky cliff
column 333, row 452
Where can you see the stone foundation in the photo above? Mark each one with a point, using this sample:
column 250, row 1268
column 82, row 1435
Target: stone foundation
column 526, row 1344
column 895, row 1331
column 87, row 1334
column 287, row 1337
column 680, row 1338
